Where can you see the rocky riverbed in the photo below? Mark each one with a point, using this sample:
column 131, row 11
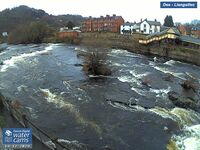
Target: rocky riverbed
column 141, row 105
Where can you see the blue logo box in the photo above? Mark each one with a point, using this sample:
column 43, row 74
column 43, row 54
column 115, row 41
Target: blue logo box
column 17, row 137
column 173, row 4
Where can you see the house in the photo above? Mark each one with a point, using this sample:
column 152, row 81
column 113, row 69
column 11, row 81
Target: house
column 195, row 31
column 105, row 24
column 63, row 29
column 4, row 34
column 182, row 29
column 67, row 33
column 127, row 28
column 149, row 27
column 76, row 28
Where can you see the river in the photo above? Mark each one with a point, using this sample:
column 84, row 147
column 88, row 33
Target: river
column 116, row 112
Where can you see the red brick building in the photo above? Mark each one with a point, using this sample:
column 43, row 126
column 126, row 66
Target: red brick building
column 70, row 33
column 108, row 23
column 182, row 29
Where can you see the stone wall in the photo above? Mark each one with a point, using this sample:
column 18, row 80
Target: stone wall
column 130, row 43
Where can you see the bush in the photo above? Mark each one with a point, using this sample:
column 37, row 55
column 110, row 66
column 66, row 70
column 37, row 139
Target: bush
column 190, row 83
column 95, row 64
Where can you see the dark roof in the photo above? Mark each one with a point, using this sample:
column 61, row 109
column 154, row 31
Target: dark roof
column 190, row 39
column 128, row 24
column 153, row 22
column 114, row 17
column 196, row 28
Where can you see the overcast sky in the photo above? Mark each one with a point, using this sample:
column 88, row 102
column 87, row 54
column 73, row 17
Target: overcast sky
column 130, row 10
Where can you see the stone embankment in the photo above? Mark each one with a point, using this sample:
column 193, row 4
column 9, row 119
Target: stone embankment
column 130, row 43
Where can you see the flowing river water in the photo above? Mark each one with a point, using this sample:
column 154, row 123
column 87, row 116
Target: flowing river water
column 116, row 112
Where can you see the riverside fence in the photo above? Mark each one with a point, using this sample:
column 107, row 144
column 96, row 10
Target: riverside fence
column 16, row 111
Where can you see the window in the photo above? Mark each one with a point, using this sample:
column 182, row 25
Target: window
column 145, row 30
column 145, row 25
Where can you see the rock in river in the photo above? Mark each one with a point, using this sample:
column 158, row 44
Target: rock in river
column 183, row 102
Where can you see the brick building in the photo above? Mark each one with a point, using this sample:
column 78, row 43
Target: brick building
column 108, row 23
column 68, row 33
column 182, row 29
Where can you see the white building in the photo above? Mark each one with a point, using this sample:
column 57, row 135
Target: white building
column 4, row 34
column 149, row 27
column 129, row 28
column 63, row 29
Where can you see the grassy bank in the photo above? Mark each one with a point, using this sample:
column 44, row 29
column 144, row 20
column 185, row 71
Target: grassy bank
column 130, row 43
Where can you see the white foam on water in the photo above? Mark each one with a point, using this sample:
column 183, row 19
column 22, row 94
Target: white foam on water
column 161, row 92
column 119, row 65
column 100, row 76
column 72, row 144
column 165, row 70
column 123, row 53
column 139, row 91
column 67, row 85
column 119, row 51
column 184, row 117
column 137, row 75
column 189, row 139
column 164, row 113
column 193, row 76
column 12, row 62
column 128, row 79
column 67, row 141
column 188, row 121
column 2, row 53
column 22, row 88
column 131, row 108
column 57, row 100
column 80, row 49
column 170, row 62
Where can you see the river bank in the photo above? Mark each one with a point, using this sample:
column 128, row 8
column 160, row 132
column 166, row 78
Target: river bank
column 130, row 43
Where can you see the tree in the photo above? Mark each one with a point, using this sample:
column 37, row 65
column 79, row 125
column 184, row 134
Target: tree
column 168, row 22
column 70, row 25
column 34, row 32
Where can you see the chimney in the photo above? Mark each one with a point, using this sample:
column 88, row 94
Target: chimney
column 141, row 20
column 146, row 19
column 107, row 16
column 101, row 16
column 155, row 20
column 90, row 17
column 114, row 15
